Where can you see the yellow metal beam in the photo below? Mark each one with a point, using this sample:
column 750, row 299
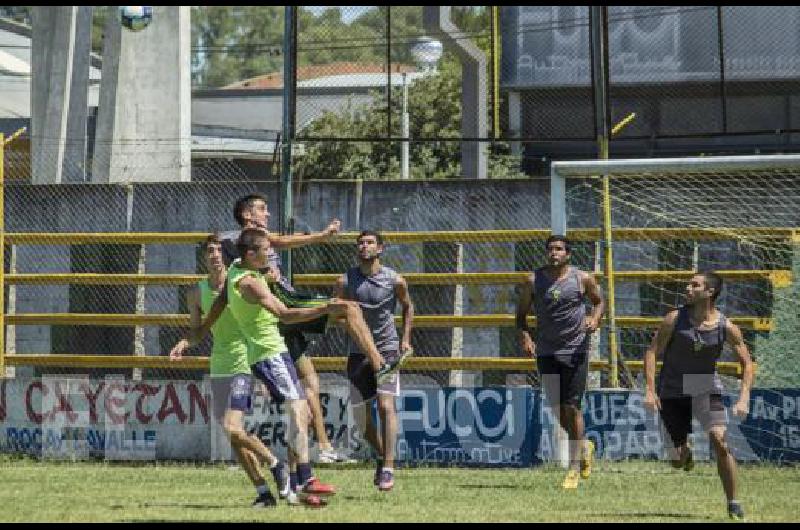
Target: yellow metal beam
column 420, row 321
column 463, row 236
column 511, row 364
column 103, row 279
column 781, row 278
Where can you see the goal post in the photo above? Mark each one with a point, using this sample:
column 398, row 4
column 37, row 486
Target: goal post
column 739, row 214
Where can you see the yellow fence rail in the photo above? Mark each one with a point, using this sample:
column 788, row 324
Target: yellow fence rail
column 420, row 363
column 420, row 321
column 471, row 236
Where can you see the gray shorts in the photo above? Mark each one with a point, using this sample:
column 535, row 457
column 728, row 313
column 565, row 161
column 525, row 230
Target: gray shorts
column 232, row 392
column 279, row 375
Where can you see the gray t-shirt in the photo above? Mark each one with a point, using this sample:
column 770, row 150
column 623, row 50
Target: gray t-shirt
column 376, row 296
column 560, row 316
column 690, row 359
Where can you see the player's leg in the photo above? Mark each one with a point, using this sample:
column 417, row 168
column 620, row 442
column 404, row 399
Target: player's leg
column 280, row 377
column 363, row 390
column 388, row 417
column 310, row 380
column 353, row 320
column 710, row 412
column 574, row 387
column 232, row 423
column 676, row 421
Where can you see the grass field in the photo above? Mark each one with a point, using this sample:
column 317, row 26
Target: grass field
column 618, row 491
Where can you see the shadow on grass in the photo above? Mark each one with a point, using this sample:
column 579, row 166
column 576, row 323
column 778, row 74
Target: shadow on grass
column 494, row 486
column 193, row 506
column 666, row 515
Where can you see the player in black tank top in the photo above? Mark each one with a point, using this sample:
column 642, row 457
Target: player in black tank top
column 692, row 340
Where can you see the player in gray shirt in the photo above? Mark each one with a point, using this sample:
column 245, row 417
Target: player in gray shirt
column 557, row 293
column 377, row 289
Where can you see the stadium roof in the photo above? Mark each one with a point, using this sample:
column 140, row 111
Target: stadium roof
column 313, row 75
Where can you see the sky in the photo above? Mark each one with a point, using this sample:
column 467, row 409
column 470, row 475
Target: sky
column 348, row 15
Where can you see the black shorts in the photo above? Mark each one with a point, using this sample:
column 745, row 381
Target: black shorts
column 294, row 334
column 363, row 385
column 563, row 384
column 677, row 413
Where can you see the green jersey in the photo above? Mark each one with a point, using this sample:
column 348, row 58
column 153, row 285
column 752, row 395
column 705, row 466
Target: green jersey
column 259, row 326
column 229, row 352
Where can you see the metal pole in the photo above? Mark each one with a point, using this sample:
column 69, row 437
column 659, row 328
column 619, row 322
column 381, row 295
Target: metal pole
column 599, row 37
column 287, row 130
column 404, row 173
column 496, row 71
column 3, row 262
column 722, row 87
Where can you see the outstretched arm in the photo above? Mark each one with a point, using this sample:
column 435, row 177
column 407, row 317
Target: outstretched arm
column 300, row 240
column 256, row 291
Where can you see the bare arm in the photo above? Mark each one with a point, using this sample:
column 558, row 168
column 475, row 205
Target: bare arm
column 256, row 292
column 523, row 308
column 198, row 327
column 339, row 292
column 736, row 341
column 593, row 291
column 401, row 291
column 656, row 349
column 300, row 240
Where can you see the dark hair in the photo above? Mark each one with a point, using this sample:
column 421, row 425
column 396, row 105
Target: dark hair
column 248, row 239
column 713, row 281
column 245, row 203
column 554, row 238
column 378, row 236
column 212, row 238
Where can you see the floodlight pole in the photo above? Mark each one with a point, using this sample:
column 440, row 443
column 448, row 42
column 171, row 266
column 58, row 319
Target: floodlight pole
column 287, row 130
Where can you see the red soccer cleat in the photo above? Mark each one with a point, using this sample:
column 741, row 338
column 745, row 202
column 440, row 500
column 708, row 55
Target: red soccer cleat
column 315, row 487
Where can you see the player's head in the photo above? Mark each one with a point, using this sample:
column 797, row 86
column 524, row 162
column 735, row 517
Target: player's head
column 253, row 246
column 558, row 250
column 704, row 286
column 251, row 211
column 212, row 250
column 370, row 245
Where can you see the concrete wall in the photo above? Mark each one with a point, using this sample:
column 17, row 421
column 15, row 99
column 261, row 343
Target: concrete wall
column 144, row 116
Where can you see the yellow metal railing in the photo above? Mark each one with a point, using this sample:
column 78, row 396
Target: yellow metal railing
column 421, row 363
column 420, row 321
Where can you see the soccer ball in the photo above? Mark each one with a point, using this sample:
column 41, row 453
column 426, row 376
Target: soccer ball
column 136, row 18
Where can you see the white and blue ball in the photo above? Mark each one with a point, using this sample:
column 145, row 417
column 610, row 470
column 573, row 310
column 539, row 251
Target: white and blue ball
column 135, row 18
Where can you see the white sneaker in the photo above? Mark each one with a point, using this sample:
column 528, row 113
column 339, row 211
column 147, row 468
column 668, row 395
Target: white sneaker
column 330, row 456
column 292, row 499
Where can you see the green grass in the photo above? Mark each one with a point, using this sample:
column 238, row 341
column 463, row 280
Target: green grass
column 618, row 491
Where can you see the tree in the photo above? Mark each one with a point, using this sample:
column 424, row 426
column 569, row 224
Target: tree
column 435, row 103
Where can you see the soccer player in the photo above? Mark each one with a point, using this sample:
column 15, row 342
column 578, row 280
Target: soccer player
column 691, row 339
column 251, row 212
column 257, row 312
column 231, row 382
column 557, row 292
column 377, row 289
